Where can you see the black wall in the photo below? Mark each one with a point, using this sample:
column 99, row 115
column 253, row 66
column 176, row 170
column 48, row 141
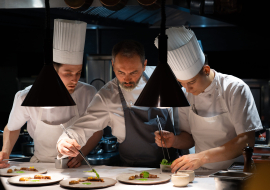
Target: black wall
column 238, row 51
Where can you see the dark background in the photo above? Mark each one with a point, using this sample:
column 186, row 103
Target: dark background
column 241, row 51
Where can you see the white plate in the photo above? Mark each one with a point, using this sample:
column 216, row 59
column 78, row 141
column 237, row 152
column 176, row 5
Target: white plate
column 32, row 182
column 107, row 183
column 3, row 172
column 162, row 178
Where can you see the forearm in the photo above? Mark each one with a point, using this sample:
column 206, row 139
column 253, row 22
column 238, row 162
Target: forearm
column 230, row 150
column 92, row 142
column 9, row 140
column 183, row 141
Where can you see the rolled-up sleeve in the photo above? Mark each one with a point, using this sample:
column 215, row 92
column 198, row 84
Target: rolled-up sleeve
column 243, row 111
column 96, row 118
column 19, row 115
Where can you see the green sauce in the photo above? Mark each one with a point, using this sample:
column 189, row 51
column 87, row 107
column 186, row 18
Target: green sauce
column 19, row 171
column 86, row 183
column 142, row 179
column 34, row 180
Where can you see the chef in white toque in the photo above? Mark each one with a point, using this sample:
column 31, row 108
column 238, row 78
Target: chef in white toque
column 43, row 124
column 222, row 117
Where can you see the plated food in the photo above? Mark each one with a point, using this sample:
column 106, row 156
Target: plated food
column 143, row 178
column 17, row 171
column 88, row 183
column 34, row 180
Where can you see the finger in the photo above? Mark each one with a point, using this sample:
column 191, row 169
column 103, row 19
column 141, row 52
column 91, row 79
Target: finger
column 75, row 144
column 71, row 147
column 78, row 165
column 65, row 151
column 72, row 163
column 70, row 157
column 4, row 165
column 176, row 161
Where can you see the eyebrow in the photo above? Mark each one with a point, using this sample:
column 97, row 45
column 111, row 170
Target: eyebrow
column 129, row 73
column 192, row 81
column 71, row 71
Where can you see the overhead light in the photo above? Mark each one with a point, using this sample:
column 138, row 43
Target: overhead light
column 150, row 4
column 80, row 5
column 113, row 5
column 162, row 88
column 48, row 89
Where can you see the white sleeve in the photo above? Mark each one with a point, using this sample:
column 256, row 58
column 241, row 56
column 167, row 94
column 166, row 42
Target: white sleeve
column 96, row 118
column 19, row 115
column 243, row 111
column 183, row 123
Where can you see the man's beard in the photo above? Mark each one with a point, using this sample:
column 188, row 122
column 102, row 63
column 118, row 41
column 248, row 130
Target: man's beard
column 129, row 88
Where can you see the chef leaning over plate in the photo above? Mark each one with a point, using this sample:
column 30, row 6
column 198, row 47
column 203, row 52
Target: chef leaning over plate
column 43, row 124
column 222, row 117
column 113, row 106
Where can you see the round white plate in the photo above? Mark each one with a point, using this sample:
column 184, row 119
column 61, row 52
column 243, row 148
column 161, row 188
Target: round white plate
column 162, row 178
column 3, row 172
column 107, row 183
column 32, row 182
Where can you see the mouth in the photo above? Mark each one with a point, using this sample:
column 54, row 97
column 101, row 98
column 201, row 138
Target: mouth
column 72, row 86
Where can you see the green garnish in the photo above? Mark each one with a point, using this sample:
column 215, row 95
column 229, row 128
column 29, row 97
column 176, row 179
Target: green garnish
column 141, row 179
column 19, row 172
column 93, row 170
column 165, row 162
column 145, row 174
column 86, row 183
column 35, row 180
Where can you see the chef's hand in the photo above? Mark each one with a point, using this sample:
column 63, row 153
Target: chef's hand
column 4, row 164
column 167, row 136
column 75, row 162
column 187, row 162
column 68, row 147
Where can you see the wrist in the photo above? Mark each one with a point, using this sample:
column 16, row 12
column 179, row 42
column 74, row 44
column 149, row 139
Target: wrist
column 204, row 157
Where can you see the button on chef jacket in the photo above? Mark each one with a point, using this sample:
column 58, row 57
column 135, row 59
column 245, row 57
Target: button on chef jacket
column 238, row 100
column 106, row 110
column 82, row 95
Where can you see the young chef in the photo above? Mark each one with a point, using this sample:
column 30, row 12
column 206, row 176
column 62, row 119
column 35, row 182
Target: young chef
column 113, row 106
column 222, row 117
column 43, row 124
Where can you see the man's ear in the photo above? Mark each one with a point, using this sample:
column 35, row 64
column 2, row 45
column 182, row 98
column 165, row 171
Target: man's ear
column 112, row 63
column 144, row 64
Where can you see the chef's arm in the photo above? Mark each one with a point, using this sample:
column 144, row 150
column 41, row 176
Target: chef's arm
column 92, row 142
column 9, row 140
column 229, row 150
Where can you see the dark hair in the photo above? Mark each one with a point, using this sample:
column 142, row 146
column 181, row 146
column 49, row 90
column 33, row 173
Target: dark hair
column 56, row 66
column 129, row 48
column 205, row 63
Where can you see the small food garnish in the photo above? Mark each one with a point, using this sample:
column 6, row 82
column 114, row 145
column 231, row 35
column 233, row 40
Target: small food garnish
column 144, row 174
column 42, row 177
column 73, row 182
column 93, row 170
column 24, row 178
column 9, row 171
column 165, row 162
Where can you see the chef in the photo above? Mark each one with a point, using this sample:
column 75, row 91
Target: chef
column 43, row 124
column 222, row 117
column 113, row 106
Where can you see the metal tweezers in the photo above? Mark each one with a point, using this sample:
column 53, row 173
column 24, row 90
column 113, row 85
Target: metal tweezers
column 161, row 135
column 62, row 126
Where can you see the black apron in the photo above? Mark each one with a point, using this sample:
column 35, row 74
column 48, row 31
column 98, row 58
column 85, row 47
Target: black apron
column 139, row 148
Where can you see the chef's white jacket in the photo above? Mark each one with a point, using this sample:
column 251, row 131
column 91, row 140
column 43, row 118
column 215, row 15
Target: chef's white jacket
column 82, row 95
column 238, row 99
column 106, row 110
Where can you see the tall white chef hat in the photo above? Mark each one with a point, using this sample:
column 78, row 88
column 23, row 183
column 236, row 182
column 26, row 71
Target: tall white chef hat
column 68, row 41
column 185, row 56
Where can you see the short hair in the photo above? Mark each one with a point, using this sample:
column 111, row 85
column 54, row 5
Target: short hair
column 205, row 63
column 129, row 48
column 57, row 66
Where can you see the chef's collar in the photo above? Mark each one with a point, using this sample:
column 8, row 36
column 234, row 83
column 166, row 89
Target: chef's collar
column 212, row 85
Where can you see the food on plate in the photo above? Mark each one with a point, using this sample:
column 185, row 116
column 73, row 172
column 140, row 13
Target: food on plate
column 95, row 179
column 42, row 177
column 30, row 169
column 93, row 170
column 9, row 171
column 74, row 182
column 165, row 162
column 144, row 174
column 25, row 178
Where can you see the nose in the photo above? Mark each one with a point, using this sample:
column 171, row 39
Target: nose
column 127, row 78
column 188, row 88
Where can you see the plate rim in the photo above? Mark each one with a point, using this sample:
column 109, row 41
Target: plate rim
column 86, row 187
column 14, row 175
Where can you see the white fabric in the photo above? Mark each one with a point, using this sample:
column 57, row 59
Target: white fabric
column 238, row 113
column 19, row 115
column 210, row 132
column 106, row 110
column 68, row 41
column 203, row 183
column 185, row 56
column 46, row 137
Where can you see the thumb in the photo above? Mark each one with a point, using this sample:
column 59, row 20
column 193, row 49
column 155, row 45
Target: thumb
column 74, row 143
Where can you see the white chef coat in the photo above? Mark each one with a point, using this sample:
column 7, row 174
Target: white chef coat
column 106, row 110
column 82, row 95
column 238, row 99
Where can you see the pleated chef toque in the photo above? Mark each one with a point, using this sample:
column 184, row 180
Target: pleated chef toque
column 68, row 41
column 185, row 56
